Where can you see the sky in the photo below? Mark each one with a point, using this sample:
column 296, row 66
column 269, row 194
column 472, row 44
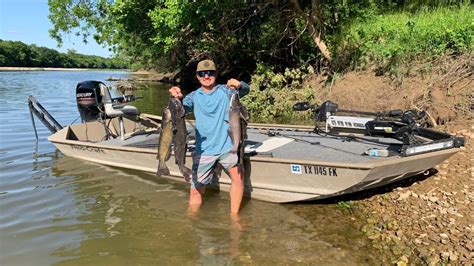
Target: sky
column 27, row 21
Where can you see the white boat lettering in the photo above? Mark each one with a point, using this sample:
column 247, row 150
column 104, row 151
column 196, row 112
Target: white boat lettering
column 85, row 148
column 320, row 170
column 84, row 94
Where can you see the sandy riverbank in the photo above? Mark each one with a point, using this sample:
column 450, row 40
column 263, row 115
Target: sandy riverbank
column 147, row 76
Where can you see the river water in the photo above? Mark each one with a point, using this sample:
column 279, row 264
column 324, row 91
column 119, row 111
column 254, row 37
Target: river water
column 60, row 210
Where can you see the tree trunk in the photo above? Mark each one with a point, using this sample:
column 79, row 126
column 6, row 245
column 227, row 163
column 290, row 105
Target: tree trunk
column 312, row 28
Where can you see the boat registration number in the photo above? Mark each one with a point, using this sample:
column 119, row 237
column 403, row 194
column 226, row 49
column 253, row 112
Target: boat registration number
column 313, row 170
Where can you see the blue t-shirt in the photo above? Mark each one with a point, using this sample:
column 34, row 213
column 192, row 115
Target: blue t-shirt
column 211, row 110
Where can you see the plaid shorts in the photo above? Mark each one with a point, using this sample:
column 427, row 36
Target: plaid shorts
column 203, row 167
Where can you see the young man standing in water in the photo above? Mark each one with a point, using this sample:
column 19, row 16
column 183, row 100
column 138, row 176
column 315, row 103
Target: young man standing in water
column 210, row 105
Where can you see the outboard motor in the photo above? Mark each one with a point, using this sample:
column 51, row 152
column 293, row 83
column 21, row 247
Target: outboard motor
column 89, row 99
column 95, row 103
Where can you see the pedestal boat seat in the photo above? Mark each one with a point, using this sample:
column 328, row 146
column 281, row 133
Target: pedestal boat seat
column 120, row 110
column 96, row 103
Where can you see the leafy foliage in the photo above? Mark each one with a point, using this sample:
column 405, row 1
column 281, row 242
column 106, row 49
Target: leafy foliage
column 400, row 37
column 272, row 43
column 171, row 34
column 236, row 35
column 18, row 54
column 272, row 95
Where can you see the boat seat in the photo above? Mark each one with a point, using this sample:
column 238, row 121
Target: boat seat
column 120, row 110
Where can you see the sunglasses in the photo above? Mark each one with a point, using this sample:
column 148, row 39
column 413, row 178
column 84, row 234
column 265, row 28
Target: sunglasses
column 209, row 73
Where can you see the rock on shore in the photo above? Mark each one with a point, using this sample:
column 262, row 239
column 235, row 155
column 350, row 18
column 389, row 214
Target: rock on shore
column 424, row 219
column 431, row 220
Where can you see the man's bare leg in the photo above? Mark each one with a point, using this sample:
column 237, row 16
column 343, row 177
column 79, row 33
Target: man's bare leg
column 195, row 200
column 236, row 194
column 236, row 189
column 235, row 232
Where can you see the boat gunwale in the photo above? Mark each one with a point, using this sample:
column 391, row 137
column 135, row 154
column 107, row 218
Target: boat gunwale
column 56, row 139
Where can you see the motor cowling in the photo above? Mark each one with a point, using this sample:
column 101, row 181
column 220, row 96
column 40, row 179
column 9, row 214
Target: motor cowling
column 89, row 99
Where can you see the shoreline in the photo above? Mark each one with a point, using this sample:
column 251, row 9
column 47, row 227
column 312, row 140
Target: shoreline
column 5, row 69
column 422, row 219
column 139, row 75
column 426, row 219
column 148, row 76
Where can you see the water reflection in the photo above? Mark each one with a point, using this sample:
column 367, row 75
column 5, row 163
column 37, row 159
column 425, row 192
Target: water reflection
column 155, row 97
column 129, row 217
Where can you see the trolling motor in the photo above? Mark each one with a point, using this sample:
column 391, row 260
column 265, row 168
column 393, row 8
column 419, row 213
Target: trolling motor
column 397, row 124
column 394, row 123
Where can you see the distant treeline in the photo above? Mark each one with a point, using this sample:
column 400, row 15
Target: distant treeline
column 18, row 54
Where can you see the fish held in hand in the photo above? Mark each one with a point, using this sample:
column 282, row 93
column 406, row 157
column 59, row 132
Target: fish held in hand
column 166, row 138
column 238, row 117
column 180, row 136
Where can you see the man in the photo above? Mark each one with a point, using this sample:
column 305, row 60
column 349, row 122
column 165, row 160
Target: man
column 210, row 105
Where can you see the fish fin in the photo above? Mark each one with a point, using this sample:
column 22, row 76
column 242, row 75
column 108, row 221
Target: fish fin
column 241, row 170
column 187, row 173
column 243, row 128
column 182, row 111
column 244, row 113
column 241, row 152
column 175, row 157
column 229, row 131
column 168, row 155
column 162, row 170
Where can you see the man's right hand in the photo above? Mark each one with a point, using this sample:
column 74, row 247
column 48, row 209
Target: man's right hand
column 176, row 92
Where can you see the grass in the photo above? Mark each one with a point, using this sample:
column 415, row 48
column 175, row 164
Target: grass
column 391, row 39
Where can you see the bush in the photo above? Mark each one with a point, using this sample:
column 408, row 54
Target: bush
column 272, row 95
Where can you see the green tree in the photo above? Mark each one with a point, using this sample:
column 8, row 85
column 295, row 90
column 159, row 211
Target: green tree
column 176, row 34
column 182, row 32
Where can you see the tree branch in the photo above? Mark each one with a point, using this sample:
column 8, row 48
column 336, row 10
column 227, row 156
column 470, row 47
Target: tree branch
column 312, row 29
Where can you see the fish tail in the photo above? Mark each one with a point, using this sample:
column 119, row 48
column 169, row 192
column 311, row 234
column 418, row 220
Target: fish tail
column 162, row 169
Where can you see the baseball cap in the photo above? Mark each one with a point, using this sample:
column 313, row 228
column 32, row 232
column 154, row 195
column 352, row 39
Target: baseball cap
column 206, row 65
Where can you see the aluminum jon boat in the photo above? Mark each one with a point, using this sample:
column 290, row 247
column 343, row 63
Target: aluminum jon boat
column 283, row 163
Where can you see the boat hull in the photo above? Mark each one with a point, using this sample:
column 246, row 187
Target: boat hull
column 267, row 179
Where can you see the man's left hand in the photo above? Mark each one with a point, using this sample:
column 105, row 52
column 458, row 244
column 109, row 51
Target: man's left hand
column 233, row 84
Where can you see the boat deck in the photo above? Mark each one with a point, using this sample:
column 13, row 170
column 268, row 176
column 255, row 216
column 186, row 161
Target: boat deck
column 285, row 144
column 306, row 145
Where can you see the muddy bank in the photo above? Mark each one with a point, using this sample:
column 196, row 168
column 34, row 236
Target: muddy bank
column 426, row 219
